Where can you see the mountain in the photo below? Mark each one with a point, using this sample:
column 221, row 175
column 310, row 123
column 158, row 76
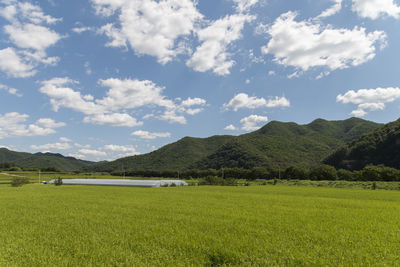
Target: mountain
column 381, row 146
column 280, row 144
column 178, row 155
column 42, row 160
column 277, row 144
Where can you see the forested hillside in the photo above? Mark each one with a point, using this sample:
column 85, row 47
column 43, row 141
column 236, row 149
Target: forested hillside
column 277, row 144
column 42, row 160
column 381, row 146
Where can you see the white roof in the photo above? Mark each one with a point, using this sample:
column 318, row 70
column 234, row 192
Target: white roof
column 125, row 182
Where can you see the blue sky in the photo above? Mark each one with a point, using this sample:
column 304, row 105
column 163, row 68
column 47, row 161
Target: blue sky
column 102, row 79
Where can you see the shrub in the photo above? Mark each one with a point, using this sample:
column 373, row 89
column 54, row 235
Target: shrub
column 19, row 181
column 58, row 181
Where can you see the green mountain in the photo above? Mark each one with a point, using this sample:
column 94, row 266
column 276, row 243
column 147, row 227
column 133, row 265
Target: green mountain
column 276, row 144
column 178, row 155
column 280, row 144
column 42, row 160
column 381, row 146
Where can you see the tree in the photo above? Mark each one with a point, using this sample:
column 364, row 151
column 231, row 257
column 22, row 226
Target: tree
column 323, row 172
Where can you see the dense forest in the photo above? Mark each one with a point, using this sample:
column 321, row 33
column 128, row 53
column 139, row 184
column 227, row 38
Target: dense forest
column 277, row 144
column 381, row 146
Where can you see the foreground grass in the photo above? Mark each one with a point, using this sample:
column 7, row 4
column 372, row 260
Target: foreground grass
column 257, row 225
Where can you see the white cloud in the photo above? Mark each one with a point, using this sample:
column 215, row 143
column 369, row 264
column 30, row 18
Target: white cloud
column 149, row 135
column 369, row 99
column 65, row 139
column 49, row 123
column 251, row 123
column 26, row 11
column 154, row 28
column 122, row 95
column 213, row 53
column 13, row 65
column 80, row 30
column 278, row 102
column 335, row 8
column 50, row 147
column 194, row 111
column 374, row 9
column 172, row 117
column 193, row 102
column 30, row 36
column 10, row 90
column 128, row 94
column 128, row 150
column 308, row 44
column 114, row 119
column 230, row 127
column 92, row 152
column 62, row 96
column 242, row 100
column 14, row 124
column 244, row 5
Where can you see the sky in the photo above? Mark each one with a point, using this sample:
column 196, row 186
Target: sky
column 104, row 79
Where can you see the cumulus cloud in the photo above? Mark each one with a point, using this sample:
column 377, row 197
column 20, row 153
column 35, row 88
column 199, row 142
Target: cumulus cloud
column 122, row 95
column 149, row 27
column 114, row 119
column 29, row 32
column 149, row 135
column 10, row 90
column 230, row 127
column 31, row 36
column 50, row 147
column 374, row 9
column 213, row 53
column 63, row 96
column 13, row 124
column 14, row 65
column 251, row 123
column 308, row 44
column 369, row 99
column 242, row 100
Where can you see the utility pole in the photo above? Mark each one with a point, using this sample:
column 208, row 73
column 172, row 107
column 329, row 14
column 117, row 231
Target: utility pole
column 279, row 172
column 39, row 176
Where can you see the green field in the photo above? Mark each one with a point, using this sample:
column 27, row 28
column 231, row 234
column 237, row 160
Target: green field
column 45, row 225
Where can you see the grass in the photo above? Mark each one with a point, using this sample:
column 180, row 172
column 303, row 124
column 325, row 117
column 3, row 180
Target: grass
column 256, row 225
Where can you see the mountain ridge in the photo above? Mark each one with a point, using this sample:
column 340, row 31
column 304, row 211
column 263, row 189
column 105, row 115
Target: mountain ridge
column 277, row 144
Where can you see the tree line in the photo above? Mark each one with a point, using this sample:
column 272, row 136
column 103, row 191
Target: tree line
column 321, row 172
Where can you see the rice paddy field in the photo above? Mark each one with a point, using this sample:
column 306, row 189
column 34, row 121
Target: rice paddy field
column 46, row 225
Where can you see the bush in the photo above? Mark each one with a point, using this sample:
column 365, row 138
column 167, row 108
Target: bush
column 215, row 180
column 19, row 181
column 323, row 172
column 58, row 181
